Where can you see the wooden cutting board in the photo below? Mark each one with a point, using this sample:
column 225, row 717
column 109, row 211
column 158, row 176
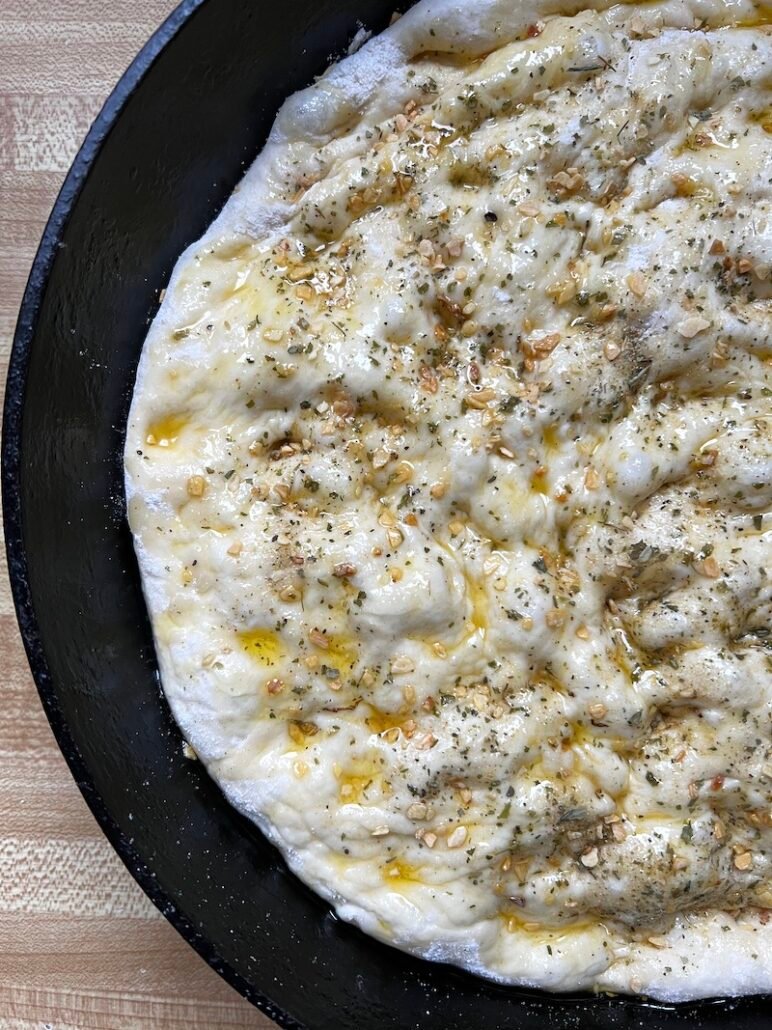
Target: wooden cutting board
column 81, row 947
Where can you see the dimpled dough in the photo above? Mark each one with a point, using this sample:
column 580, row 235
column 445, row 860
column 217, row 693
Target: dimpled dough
column 448, row 468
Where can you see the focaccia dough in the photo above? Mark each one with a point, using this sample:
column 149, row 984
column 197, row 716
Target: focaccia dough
column 449, row 472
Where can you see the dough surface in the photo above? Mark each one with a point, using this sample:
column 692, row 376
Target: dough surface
column 449, row 472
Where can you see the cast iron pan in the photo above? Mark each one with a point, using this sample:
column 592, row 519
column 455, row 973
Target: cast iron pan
column 163, row 156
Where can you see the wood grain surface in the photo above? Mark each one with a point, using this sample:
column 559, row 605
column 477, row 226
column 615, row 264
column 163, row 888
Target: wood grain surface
column 81, row 947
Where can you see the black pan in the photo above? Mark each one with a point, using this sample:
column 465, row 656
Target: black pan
column 172, row 141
